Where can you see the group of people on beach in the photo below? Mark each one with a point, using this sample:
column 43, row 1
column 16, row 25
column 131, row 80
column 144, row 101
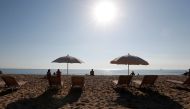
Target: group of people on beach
column 133, row 73
column 56, row 75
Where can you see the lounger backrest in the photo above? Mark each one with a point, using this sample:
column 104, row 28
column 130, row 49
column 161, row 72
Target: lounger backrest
column 77, row 80
column 53, row 80
column 149, row 80
column 124, row 80
column 187, row 81
column 10, row 81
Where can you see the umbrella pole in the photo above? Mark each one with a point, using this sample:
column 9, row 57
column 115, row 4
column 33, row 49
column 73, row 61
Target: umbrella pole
column 128, row 69
column 67, row 68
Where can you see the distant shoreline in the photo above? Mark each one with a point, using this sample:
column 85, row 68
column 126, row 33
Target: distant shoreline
column 97, row 71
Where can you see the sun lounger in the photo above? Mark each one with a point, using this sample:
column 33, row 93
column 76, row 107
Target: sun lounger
column 77, row 82
column 11, row 83
column 123, row 81
column 186, row 82
column 148, row 81
column 54, row 82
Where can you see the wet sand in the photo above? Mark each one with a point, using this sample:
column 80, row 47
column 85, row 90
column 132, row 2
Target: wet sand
column 99, row 93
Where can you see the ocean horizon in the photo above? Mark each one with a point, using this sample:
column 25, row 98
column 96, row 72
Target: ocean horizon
column 97, row 71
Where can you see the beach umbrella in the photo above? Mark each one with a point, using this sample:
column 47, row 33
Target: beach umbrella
column 67, row 59
column 129, row 60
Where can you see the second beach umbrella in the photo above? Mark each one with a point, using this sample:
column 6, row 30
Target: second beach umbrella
column 129, row 60
column 68, row 59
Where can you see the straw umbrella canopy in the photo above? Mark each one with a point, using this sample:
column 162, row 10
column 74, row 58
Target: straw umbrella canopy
column 129, row 60
column 67, row 59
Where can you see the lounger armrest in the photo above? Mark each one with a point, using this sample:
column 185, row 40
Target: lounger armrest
column 22, row 83
column 115, row 82
column 137, row 82
column 175, row 81
column 78, row 86
column 2, row 84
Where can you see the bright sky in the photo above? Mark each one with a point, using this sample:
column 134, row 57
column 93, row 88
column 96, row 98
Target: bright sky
column 35, row 32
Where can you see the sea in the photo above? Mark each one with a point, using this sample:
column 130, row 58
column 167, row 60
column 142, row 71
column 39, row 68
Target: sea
column 96, row 71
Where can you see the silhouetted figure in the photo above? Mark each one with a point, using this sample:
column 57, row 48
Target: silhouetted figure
column 54, row 74
column 58, row 74
column 187, row 73
column 49, row 76
column 132, row 73
column 92, row 72
column 1, row 72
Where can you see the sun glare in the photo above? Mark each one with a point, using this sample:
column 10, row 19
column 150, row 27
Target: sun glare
column 105, row 12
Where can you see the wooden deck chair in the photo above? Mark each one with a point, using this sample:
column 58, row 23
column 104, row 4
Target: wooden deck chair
column 148, row 81
column 77, row 82
column 124, row 80
column 54, row 82
column 11, row 83
column 186, row 82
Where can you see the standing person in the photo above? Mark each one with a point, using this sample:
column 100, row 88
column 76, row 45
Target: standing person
column 92, row 72
column 48, row 73
column 49, row 76
column 58, row 74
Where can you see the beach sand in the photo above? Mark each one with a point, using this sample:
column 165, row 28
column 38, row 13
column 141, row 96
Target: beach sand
column 98, row 93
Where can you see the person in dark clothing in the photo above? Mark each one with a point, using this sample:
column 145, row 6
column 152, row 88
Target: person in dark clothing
column 92, row 72
column 58, row 74
column 132, row 73
column 49, row 76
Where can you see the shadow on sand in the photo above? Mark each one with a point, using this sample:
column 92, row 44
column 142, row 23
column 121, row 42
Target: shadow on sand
column 47, row 100
column 183, row 88
column 149, row 100
column 5, row 92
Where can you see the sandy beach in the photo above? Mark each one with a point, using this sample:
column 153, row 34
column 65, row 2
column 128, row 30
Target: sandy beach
column 99, row 93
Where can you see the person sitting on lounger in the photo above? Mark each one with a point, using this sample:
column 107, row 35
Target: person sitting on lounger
column 92, row 72
column 187, row 73
column 132, row 73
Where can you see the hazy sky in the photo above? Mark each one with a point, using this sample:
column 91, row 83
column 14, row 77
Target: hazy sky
column 35, row 32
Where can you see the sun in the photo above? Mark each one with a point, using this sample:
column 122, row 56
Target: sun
column 105, row 12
